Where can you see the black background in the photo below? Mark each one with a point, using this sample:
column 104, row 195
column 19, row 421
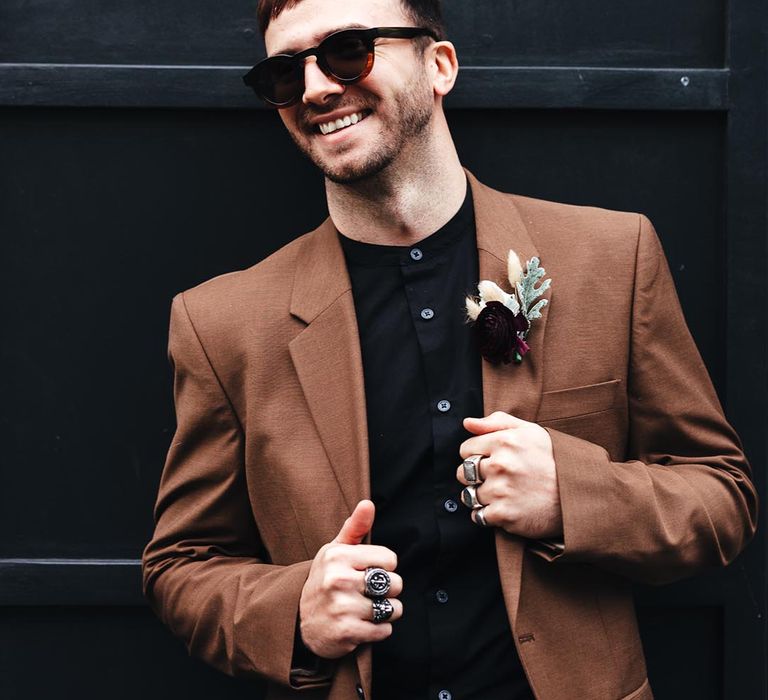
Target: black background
column 134, row 164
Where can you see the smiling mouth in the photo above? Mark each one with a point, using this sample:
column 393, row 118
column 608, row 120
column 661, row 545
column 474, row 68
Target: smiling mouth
column 338, row 124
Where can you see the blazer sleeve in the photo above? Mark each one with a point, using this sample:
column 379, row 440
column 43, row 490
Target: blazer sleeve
column 205, row 573
column 684, row 499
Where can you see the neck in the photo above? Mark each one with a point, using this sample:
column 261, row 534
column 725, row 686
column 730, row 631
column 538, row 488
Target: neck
column 407, row 201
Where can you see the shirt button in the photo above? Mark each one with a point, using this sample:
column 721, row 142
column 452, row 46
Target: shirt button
column 416, row 254
column 427, row 314
column 442, row 596
column 451, row 506
column 444, row 695
column 444, row 406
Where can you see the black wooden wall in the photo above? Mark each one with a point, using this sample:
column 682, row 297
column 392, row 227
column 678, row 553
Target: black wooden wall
column 134, row 164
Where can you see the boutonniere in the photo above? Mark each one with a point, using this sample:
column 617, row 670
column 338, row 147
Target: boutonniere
column 502, row 320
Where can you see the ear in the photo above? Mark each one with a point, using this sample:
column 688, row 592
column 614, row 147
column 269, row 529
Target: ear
column 444, row 65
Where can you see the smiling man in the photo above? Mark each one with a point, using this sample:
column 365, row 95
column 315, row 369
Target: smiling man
column 334, row 406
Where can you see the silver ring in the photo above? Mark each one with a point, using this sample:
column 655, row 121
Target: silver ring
column 480, row 517
column 377, row 582
column 382, row 610
column 469, row 497
column 472, row 469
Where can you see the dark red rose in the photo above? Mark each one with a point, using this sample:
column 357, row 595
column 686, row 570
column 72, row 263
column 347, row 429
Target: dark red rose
column 497, row 333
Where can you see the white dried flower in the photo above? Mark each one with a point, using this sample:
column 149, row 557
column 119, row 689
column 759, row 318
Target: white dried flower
column 490, row 291
column 473, row 309
column 514, row 269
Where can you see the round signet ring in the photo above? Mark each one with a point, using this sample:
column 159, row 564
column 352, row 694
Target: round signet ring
column 472, row 469
column 377, row 582
column 382, row 610
column 469, row 497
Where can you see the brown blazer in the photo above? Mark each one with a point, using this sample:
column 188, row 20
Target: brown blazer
column 271, row 452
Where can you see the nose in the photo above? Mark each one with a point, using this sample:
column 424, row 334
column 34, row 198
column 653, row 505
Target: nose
column 318, row 87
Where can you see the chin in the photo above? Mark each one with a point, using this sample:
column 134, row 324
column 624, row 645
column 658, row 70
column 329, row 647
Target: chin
column 348, row 174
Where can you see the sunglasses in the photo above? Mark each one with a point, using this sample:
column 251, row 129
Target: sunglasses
column 346, row 56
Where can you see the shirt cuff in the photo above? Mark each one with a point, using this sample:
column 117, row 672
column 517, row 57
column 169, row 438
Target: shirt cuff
column 308, row 669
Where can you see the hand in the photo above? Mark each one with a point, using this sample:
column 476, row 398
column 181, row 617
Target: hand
column 335, row 615
column 520, row 479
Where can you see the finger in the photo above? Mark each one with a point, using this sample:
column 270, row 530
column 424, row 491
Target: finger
column 357, row 525
column 395, row 584
column 466, row 496
column 366, row 609
column 479, row 445
column 359, row 631
column 364, row 555
column 371, row 632
column 460, row 474
column 491, row 514
column 496, row 421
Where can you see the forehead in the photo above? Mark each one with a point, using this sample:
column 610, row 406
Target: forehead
column 305, row 24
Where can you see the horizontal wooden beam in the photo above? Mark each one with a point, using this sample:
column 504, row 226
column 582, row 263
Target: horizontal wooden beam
column 478, row 87
column 70, row 582
column 100, row 582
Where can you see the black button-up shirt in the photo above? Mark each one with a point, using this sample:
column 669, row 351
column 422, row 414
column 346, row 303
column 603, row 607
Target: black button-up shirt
column 422, row 377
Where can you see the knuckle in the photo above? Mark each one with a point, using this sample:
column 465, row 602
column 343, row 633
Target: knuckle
column 345, row 633
column 335, row 554
column 331, row 580
column 491, row 467
column 507, row 438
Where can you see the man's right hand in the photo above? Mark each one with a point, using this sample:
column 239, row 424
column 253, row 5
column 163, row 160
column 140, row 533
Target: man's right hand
column 335, row 614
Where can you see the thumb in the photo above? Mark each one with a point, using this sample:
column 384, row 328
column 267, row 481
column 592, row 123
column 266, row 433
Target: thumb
column 498, row 420
column 357, row 525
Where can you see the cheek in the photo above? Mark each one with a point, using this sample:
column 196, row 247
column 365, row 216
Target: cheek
column 288, row 117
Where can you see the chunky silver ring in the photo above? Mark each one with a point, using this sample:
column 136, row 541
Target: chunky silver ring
column 469, row 497
column 377, row 582
column 480, row 517
column 382, row 610
column 472, row 469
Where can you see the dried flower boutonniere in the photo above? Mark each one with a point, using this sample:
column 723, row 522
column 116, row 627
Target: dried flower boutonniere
column 503, row 321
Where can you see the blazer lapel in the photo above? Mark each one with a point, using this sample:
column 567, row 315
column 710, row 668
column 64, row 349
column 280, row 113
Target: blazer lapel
column 514, row 389
column 327, row 359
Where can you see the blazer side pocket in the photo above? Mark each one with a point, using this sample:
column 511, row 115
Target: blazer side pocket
column 578, row 401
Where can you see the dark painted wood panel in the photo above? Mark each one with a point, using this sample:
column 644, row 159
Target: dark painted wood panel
column 111, row 652
column 101, row 582
column 650, row 33
column 108, row 213
column 126, row 653
column 477, row 87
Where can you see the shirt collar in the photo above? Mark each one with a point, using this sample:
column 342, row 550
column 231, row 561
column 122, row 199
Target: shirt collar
column 445, row 238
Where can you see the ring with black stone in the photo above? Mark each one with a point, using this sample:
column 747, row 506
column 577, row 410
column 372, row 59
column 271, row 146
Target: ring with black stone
column 469, row 497
column 471, row 467
column 377, row 582
column 382, row 610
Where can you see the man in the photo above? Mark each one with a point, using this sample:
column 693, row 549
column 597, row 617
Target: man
column 342, row 372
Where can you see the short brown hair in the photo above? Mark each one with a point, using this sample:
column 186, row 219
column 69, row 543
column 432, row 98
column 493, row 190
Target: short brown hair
column 423, row 13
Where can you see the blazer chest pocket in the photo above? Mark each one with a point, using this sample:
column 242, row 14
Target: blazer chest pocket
column 578, row 401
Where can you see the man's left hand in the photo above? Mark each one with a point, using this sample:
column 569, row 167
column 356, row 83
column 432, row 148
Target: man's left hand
column 519, row 476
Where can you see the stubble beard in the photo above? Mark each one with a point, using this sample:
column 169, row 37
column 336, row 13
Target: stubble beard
column 414, row 105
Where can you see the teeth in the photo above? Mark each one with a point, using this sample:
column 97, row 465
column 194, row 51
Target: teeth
column 349, row 120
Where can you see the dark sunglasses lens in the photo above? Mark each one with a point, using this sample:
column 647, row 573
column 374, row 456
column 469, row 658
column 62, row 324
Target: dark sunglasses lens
column 280, row 80
column 347, row 54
